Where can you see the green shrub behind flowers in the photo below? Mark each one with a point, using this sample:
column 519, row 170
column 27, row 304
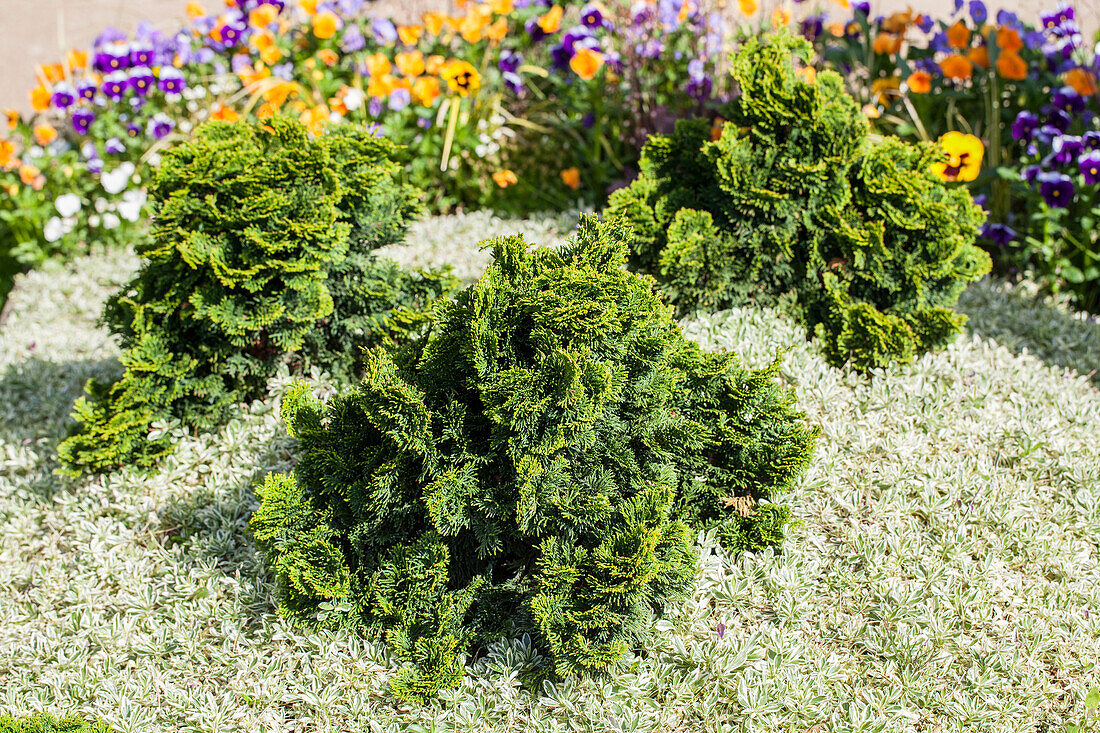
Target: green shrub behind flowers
column 796, row 205
column 46, row 723
column 540, row 461
column 260, row 256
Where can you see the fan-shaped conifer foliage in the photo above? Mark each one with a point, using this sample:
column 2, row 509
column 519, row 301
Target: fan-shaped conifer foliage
column 541, row 459
column 260, row 255
column 796, row 205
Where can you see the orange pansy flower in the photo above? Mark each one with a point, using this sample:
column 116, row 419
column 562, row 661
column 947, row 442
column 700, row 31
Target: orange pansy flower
column 571, row 177
column 410, row 63
column 919, row 82
column 435, row 64
column 1009, row 40
column 29, row 175
column 433, row 22
column 264, row 15
column 1082, row 81
column 956, row 67
column 1011, row 66
column 979, row 55
column 44, row 134
column 194, row 10
column 505, row 178
column 7, row 152
column 328, row 57
column 325, row 24
column 409, row 34
column 40, row 98
column 498, row 30
column 425, row 90
column 958, row 35
column 501, row 7
column 887, row 43
column 550, row 22
column 221, row 112
column 780, row 17
column 378, row 64
column 586, row 63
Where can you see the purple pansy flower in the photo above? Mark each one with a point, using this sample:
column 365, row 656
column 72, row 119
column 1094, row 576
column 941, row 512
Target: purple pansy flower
column 592, row 16
column 133, row 129
column 1026, row 123
column 999, row 234
column 1066, row 149
column 978, row 12
column 82, row 119
column 112, row 57
column 115, row 85
column 1056, row 189
column 171, row 80
column 86, row 88
column 1069, row 100
column 142, row 80
column 142, row 54
column 513, row 81
column 95, row 165
column 64, row 95
column 400, row 98
column 812, row 27
column 114, row 146
column 159, row 125
column 1089, row 165
column 509, row 61
column 352, row 40
column 534, row 30
column 385, row 32
column 864, row 6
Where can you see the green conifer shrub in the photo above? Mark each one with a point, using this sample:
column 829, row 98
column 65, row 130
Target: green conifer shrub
column 796, row 205
column 541, row 459
column 260, row 255
column 46, row 723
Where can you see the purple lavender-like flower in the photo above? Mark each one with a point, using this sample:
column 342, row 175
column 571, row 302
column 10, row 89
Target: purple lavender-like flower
column 699, row 89
column 64, row 95
column 142, row 80
column 1089, row 165
column 171, row 80
column 115, row 85
column 978, row 12
column 283, row 71
column 999, row 234
column 110, row 34
column 958, row 6
column 114, row 146
column 82, row 120
column 159, row 125
column 1056, row 189
column 651, row 49
column 939, row 43
column 1069, row 100
column 385, row 32
column 1025, row 123
column 375, row 107
column 352, row 40
column 424, row 123
column 1008, row 19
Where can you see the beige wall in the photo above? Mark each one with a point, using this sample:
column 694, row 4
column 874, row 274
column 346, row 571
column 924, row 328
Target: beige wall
column 36, row 31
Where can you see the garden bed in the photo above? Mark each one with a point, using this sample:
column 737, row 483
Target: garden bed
column 945, row 575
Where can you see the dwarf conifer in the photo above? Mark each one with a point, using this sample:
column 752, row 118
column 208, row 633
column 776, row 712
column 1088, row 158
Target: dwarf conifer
column 540, row 459
column 260, row 255
column 796, row 205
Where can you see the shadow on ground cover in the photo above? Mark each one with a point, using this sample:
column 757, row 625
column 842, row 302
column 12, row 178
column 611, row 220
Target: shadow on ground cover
column 36, row 398
column 1020, row 319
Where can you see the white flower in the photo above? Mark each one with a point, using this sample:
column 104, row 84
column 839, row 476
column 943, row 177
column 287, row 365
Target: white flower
column 101, row 205
column 67, row 204
column 93, row 220
column 53, row 230
column 110, row 221
column 130, row 206
column 118, row 179
column 354, row 98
